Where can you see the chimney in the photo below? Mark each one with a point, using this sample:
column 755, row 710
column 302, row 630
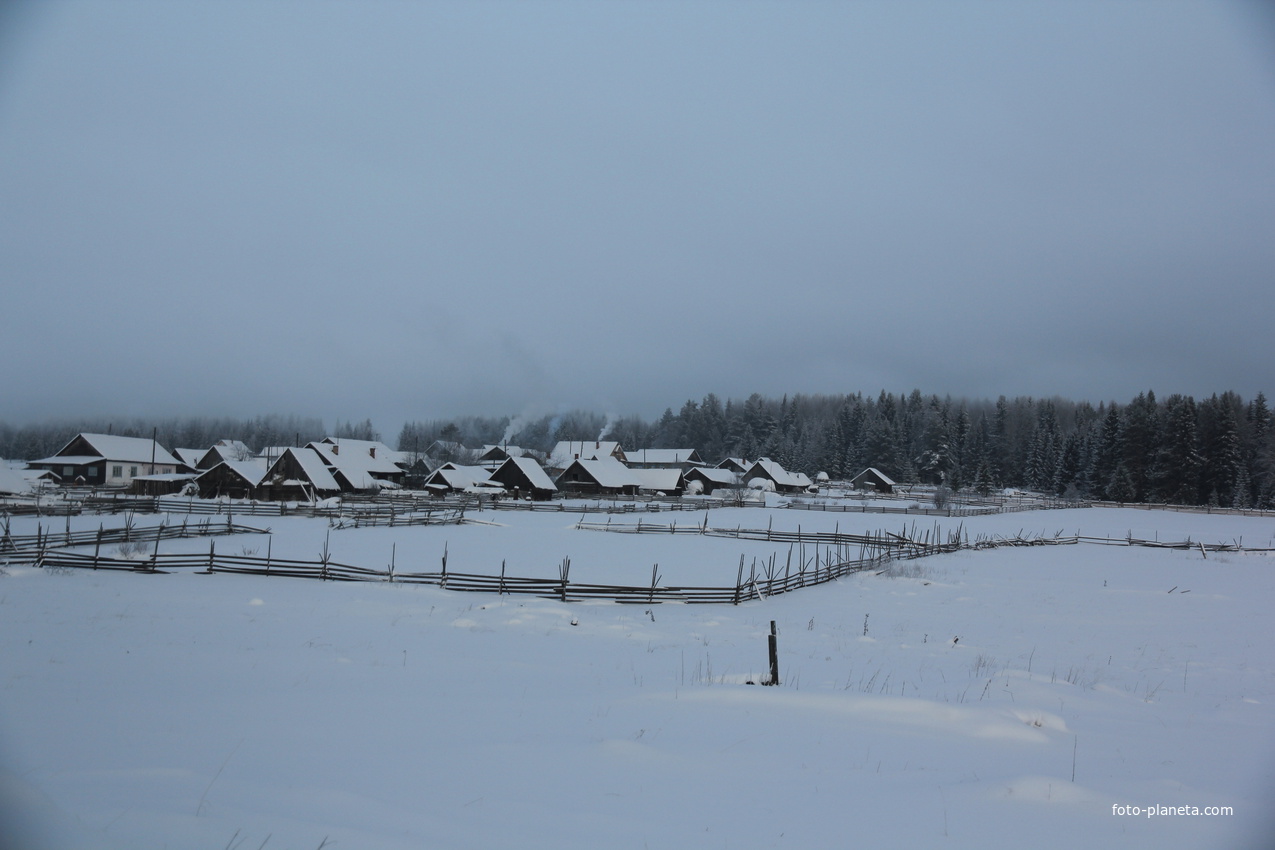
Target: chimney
column 336, row 450
column 372, row 450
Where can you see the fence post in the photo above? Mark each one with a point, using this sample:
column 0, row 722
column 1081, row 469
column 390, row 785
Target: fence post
column 773, row 645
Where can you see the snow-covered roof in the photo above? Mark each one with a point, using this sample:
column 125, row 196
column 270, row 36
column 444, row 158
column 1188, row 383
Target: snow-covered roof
column 71, row 460
column 225, row 450
column 371, row 448
column 128, row 449
column 313, row 467
column 663, row 456
column 568, row 450
column 497, row 451
column 607, row 471
column 534, row 472
column 459, row 477
column 775, row 472
column 878, row 473
column 719, row 476
column 659, row 479
column 360, row 468
column 190, row 457
column 252, row 470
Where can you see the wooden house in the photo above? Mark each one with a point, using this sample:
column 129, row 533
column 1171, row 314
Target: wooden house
column 735, row 464
column 712, row 478
column 784, row 481
column 108, row 460
column 298, row 475
column 235, row 479
column 523, row 477
column 358, row 466
column 567, row 451
column 224, row 450
column 599, row 476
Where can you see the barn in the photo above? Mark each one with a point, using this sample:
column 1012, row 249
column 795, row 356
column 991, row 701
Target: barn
column 522, row 476
column 873, row 479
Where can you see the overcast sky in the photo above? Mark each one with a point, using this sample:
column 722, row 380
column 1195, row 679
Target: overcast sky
column 415, row 210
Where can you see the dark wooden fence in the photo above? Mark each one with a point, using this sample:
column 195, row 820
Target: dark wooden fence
column 47, row 538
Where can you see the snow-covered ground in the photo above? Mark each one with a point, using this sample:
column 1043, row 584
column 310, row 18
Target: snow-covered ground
column 1006, row 698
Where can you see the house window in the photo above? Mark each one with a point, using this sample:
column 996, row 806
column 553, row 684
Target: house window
column 91, row 471
column 68, row 471
column 132, row 472
column 117, row 472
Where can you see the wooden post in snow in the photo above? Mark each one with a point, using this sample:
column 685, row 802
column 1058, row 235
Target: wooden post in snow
column 773, row 643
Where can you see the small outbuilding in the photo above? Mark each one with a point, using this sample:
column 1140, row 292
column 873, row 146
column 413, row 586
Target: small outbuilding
column 873, row 479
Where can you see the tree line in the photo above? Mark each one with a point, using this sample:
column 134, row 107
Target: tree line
column 1219, row 450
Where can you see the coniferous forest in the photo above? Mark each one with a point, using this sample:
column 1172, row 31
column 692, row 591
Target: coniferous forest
column 1215, row 451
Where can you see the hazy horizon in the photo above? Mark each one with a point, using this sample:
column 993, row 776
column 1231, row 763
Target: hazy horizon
column 407, row 212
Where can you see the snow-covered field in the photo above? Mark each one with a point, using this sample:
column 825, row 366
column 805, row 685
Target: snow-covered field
column 1006, row 698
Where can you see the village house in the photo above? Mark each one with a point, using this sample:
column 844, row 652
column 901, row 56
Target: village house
column 599, row 476
column 669, row 482
column 235, row 479
column 224, row 450
column 359, row 465
column 457, row 478
column 108, row 460
column 707, row 479
column 493, row 456
column 567, row 451
column 662, row 459
column 784, row 481
column 522, row 477
column 735, row 464
column 298, row 475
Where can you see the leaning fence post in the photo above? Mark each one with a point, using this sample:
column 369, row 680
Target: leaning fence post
column 739, row 579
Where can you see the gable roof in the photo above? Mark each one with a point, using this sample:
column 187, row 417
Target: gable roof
column 371, row 448
column 719, row 476
column 253, row 470
column 568, row 450
column 533, row 471
column 606, row 471
column 312, row 466
column 775, row 472
column 224, row 450
column 112, row 447
column 664, row 456
column 872, row 470
column 360, row 469
column 190, row 457
column 457, row 477
column 659, row 479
